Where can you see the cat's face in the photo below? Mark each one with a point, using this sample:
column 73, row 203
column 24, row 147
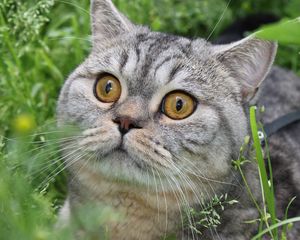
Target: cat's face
column 154, row 106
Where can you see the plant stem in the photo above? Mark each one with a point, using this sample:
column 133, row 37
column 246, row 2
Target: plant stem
column 275, row 226
column 266, row 184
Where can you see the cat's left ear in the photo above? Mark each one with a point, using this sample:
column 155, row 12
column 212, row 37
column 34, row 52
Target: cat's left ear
column 249, row 61
column 107, row 21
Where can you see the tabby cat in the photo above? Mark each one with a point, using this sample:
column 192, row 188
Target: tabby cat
column 161, row 118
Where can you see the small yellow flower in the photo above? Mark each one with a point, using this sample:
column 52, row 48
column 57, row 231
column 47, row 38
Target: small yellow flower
column 24, row 123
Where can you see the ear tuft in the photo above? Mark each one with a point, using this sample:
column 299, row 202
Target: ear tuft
column 107, row 21
column 249, row 61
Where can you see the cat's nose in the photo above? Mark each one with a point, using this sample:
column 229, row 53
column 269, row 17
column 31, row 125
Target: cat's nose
column 126, row 124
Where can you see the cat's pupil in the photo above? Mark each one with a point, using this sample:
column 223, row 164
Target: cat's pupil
column 108, row 87
column 179, row 105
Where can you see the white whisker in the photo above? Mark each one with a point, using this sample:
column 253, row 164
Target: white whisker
column 220, row 19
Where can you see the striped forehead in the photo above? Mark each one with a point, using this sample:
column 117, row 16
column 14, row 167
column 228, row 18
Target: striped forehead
column 151, row 61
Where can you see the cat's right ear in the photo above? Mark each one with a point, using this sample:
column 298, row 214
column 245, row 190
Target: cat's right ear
column 107, row 21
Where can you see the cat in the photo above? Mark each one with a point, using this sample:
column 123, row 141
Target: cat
column 161, row 118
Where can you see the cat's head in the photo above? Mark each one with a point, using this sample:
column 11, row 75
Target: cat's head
column 152, row 104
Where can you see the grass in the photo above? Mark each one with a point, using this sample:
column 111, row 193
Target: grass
column 267, row 212
column 267, row 185
column 41, row 42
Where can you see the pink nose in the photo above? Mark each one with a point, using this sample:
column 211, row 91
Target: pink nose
column 126, row 124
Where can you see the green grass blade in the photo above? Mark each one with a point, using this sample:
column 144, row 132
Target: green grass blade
column 267, row 151
column 269, row 196
column 285, row 227
column 276, row 226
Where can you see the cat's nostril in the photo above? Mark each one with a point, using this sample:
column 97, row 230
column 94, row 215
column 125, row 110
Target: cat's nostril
column 126, row 124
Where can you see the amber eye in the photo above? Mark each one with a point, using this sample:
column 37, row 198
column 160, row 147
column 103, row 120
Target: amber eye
column 107, row 89
column 178, row 105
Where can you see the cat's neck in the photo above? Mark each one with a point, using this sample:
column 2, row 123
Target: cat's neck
column 144, row 214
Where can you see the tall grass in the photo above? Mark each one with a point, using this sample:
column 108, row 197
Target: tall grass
column 272, row 225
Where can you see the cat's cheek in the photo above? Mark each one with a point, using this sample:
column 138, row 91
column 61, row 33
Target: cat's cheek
column 103, row 139
column 198, row 129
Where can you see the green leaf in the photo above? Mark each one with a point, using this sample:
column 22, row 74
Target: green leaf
column 285, row 32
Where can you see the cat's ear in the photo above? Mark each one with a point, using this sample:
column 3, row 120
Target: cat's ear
column 107, row 21
column 249, row 61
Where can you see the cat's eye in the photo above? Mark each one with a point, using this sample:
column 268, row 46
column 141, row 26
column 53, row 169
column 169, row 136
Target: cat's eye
column 178, row 105
column 107, row 88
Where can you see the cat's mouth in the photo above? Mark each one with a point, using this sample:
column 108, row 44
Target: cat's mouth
column 120, row 157
column 129, row 156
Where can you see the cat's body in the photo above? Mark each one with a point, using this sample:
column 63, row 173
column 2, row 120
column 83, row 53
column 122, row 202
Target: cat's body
column 167, row 140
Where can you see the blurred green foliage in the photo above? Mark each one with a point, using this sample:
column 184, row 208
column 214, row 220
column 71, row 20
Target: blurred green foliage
column 41, row 41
